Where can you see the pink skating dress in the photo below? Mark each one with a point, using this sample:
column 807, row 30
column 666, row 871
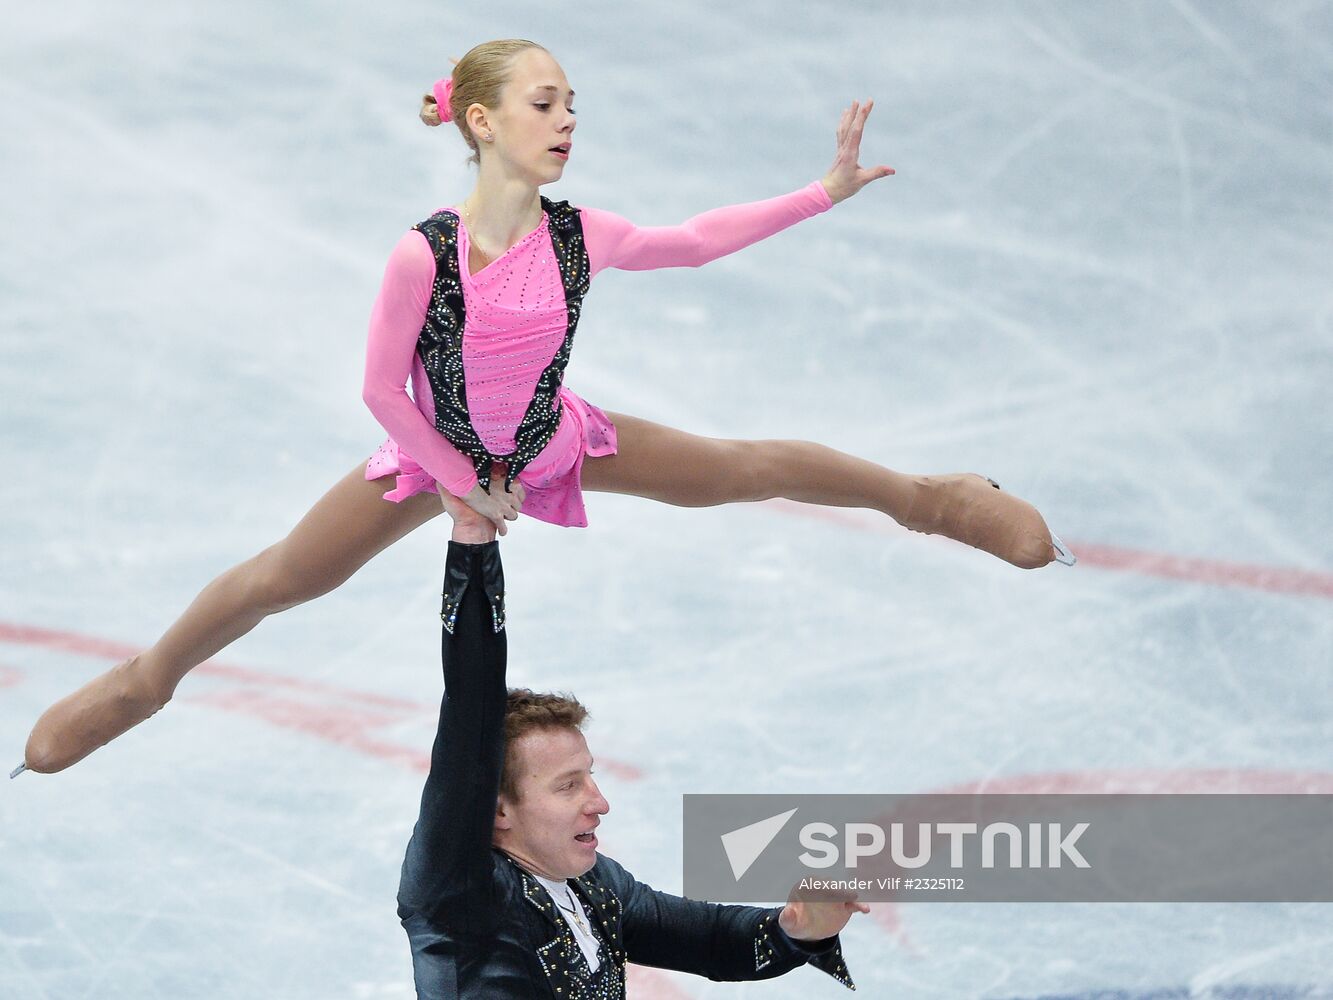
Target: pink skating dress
column 515, row 322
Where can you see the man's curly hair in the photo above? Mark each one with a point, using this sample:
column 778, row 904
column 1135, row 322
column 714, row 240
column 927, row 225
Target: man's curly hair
column 527, row 712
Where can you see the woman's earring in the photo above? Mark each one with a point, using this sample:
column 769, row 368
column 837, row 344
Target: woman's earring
column 489, row 137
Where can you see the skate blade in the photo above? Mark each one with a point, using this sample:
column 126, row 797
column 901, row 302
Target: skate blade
column 1062, row 551
column 17, row 771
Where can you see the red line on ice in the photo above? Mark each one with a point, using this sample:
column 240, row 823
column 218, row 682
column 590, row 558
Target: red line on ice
column 340, row 715
column 84, row 645
column 1150, row 781
column 1217, row 572
column 652, row 984
column 1122, row 781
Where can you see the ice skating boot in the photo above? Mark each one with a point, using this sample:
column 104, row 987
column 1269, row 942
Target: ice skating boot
column 91, row 717
column 974, row 510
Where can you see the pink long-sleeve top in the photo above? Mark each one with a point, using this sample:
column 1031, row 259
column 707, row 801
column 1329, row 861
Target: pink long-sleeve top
column 515, row 322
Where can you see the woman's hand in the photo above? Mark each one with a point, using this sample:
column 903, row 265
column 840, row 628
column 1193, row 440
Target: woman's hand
column 495, row 505
column 847, row 176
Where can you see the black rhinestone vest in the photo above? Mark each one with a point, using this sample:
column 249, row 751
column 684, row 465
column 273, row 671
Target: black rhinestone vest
column 440, row 344
column 607, row 983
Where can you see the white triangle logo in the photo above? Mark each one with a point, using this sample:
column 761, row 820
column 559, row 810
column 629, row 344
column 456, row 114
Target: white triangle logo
column 744, row 846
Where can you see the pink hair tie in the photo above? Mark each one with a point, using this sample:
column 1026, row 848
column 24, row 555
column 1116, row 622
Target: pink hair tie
column 443, row 90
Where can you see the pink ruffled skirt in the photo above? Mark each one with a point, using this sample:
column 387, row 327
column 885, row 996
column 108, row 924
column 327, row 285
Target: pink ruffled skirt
column 552, row 479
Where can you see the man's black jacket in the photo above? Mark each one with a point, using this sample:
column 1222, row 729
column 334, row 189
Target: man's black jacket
column 481, row 926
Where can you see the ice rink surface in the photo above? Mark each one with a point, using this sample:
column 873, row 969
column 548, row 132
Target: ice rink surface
column 1100, row 276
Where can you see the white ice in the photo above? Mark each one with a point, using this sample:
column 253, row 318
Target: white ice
column 1100, row 276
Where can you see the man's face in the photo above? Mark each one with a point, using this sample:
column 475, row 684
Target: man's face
column 549, row 829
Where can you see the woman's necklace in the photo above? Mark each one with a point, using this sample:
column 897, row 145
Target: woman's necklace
column 574, row 910
column 472, row 243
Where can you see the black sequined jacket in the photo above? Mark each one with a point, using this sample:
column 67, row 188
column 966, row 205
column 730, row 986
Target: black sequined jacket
column 482, row 927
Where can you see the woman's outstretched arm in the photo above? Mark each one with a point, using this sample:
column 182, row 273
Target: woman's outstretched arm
column 614, row 241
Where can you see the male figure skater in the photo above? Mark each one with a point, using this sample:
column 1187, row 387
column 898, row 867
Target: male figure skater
column 503, row 893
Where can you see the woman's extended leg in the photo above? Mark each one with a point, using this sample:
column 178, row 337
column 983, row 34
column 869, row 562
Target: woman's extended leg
column 689, row 471
column 349, row 525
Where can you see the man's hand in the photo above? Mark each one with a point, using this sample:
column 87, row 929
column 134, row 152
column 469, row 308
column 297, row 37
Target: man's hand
column 815, row 914
column 469, row 527
column 496, row 505
column 847, row 176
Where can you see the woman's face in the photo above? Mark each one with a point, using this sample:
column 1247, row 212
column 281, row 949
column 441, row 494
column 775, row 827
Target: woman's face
column 534, row 124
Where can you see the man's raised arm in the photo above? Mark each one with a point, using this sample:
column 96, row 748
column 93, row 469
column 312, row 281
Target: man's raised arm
column 447, row 873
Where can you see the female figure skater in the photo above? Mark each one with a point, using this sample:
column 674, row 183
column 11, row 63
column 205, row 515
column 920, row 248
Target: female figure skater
column 477, row 311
